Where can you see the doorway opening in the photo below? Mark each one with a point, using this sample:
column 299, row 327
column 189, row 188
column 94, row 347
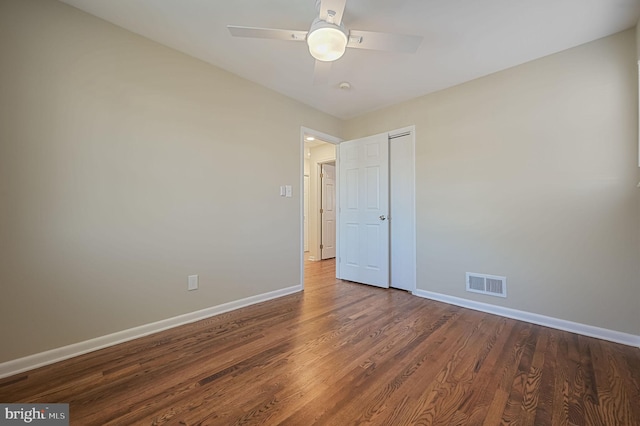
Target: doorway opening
column 385, row 243
column 318, row 152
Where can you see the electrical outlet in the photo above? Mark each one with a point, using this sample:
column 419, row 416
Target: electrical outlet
column 192, row 282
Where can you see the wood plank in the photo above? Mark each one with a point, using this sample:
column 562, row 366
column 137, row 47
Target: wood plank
column 344, row 353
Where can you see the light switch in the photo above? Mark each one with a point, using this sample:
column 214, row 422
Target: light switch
column 283, row 191
column 289, row 191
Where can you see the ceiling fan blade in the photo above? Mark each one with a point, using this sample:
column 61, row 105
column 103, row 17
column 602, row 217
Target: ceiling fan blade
column 335, row 5
column 271, row 33
column 383, row 41
column 321, row 73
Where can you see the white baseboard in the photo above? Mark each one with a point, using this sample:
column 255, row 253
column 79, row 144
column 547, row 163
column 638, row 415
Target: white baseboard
column 560, row 324
column 9, row 368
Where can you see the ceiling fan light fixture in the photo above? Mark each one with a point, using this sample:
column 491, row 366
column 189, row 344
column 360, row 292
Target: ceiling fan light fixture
column 327, row 42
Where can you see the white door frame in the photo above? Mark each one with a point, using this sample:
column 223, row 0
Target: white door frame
column 325, row 138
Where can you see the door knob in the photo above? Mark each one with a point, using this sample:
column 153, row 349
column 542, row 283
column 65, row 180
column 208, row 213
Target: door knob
column 383, row 217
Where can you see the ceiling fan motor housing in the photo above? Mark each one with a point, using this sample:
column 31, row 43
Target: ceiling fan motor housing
column 327, row 42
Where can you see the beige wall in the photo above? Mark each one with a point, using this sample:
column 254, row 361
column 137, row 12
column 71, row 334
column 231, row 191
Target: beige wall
column 531, row 173
column 637, row 29
column 126, row 166
column 306, row 165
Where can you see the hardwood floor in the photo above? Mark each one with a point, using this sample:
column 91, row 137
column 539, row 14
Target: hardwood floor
column 346, row 354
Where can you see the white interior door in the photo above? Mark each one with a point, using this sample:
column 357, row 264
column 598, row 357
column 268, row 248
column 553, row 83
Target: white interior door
column 328, row 212
column 364, row 207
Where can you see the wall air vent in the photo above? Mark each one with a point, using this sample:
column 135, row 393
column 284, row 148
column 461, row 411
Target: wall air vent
column 492, row 285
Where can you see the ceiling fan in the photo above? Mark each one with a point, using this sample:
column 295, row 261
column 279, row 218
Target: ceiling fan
column 328, row 38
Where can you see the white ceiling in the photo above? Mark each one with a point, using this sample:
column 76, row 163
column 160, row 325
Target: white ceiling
column 463, row 40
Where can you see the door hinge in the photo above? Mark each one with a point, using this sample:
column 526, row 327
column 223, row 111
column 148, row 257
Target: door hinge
column 321, row 210
column 321, row 246
column 321, row 175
